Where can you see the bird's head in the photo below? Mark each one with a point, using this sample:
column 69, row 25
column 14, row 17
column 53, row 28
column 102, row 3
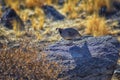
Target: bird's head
column 59, row 30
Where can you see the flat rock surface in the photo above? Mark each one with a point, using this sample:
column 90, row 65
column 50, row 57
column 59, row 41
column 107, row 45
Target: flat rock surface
column 89, row 58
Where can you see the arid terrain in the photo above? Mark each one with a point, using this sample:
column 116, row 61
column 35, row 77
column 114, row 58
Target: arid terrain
column 27, row 27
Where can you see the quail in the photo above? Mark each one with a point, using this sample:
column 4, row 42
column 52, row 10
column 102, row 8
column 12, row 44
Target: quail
column 69, row 33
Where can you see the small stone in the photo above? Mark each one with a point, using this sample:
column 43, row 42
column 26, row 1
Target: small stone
column 10, row 15
column 52, row 13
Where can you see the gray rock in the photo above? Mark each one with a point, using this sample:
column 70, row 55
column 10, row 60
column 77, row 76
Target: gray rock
column 52, row 13
column 90, row 58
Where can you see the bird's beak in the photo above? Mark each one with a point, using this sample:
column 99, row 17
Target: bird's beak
column 57, row 28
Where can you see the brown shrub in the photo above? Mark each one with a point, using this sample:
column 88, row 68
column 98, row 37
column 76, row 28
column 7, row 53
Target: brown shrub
column 16, row 64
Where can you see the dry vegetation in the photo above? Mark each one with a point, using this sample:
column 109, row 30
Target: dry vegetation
column 22, row 64
column 94, row 5
column 71, row 8
column 96, row 26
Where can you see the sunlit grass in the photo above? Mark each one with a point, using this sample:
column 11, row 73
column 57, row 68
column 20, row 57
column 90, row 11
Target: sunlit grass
column 94, row 5
column 69, row 8
column 22, row 63
column 13, row 4
column 96, row 26
column 39, row 14
column 38, row 3
column 17, row 27
column 34, row 3
column 38, row 20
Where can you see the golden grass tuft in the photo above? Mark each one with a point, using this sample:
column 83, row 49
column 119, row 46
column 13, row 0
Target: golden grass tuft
column 14, row 4
column 41, row 19
column 96, row 26
column 69, row 8
column 37, row 3
column 38, row 20
column 22, row 64
column 33, row 3
column 94, row 5
column 17, row 27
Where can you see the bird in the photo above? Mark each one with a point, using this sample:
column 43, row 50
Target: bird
column 69, row 33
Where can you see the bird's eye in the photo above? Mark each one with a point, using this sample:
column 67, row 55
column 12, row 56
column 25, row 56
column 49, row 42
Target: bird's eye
column 60, row 31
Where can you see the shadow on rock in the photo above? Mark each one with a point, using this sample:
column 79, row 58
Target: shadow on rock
column 91, row 58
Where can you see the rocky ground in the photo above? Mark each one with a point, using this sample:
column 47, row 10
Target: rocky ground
column 7, row 38
column 49, row 35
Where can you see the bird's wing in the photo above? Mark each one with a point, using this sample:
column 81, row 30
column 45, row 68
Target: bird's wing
column 71, row 33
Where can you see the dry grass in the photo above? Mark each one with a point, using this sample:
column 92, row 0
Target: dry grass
column 38, row 24
column 96, row 26
column 17, row 27
column 37, row 19
column 13, row 4
column 94, row 5
column 69, row 8
column 33, row 3
column 28, row 3
column 22, row 64
column 38, row 3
